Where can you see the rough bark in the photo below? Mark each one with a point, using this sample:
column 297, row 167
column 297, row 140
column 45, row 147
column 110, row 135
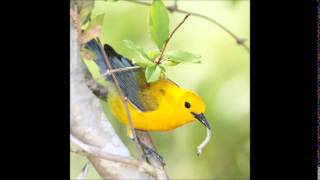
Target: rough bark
column 87, row 121
column 89, row 124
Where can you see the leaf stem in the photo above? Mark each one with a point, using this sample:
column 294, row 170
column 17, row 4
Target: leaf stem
column 158, row 61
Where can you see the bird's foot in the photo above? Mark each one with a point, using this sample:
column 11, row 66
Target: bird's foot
column 147, row 150
column 150, row 152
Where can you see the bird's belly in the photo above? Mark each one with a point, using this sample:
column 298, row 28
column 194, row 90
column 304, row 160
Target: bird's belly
column 157, row 120
column 163, row 118
column 149, row 121
column 153, row 121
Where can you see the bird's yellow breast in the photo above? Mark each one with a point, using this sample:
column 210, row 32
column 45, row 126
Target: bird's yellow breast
column 165, row 116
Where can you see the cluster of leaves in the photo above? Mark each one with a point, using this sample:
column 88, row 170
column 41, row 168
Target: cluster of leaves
column 154, row 61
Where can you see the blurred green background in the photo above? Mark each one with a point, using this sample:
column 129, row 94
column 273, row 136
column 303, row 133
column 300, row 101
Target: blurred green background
column 222, row 80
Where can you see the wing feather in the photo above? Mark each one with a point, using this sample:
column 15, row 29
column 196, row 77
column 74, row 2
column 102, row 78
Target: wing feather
column 132, row 82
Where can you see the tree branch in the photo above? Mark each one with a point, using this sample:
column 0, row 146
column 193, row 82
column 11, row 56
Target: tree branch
column 89, row 150
column 89, row 124
column 92, row 134
column 174, row 8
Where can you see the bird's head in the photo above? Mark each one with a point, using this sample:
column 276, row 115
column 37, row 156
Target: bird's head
column 192, row 107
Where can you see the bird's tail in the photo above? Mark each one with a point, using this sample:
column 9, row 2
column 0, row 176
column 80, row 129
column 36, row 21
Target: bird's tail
column 94, row 46
column 116, row 60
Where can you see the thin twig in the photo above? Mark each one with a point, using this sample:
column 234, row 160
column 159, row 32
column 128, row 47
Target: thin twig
column 159, row 169
column 131, row 123
column 239, row 41
column 174, row 8
column 109, row 72
column 170, row 36
column 175, row 3
column 122, row 99
column 89, row 150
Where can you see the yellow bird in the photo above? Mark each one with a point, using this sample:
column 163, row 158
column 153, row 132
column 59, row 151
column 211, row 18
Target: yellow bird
column 158, row 106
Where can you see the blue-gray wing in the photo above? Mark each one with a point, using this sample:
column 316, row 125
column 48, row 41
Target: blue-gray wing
column 132, row 82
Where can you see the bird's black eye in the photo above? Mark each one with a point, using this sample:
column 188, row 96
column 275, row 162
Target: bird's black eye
column 187, row 104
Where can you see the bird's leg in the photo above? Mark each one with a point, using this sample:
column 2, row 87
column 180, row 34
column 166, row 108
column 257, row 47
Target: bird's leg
column 130, row 135
column 149, row 151
column 146, row 149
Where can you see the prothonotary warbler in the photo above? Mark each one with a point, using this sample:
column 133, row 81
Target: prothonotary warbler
column 157, row 106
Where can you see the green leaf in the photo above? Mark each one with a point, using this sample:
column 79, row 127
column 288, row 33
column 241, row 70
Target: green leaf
column 142, row 62
column 94, row 71
column 88, row 54
column 162, row 68
column 158, row 23
column 139, row 50
column 153, row 73
column 152, row 54
column 96, row 21
column 91, row 34
column 182, row 56
column 170, row 63
column 92, row 28
column 85, row 16
column 85, row 8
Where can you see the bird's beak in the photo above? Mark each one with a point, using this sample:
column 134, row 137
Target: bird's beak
column 200, row 117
